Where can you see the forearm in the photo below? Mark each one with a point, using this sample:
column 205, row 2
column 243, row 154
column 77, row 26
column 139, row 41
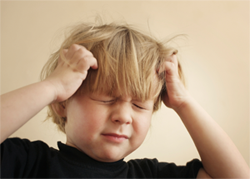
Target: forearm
column 220, row 157
column 18, row 106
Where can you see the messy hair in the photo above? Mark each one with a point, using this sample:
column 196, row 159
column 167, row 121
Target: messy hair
column 127, row 62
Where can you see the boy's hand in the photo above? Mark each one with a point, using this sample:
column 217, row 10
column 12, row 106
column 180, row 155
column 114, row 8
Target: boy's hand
column 176, row 94
column 71, row 71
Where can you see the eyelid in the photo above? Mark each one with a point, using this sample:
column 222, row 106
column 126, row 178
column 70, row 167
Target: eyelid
column 104, row 101
column 138, row 106
column 108, row 101
column 142, row 105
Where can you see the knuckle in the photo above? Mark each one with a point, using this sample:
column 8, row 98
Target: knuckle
column 82, row 50
column 172, row 58
column 87, row 61
column 83, row 61
column 74, row 47
column 85, row 52
column 64, row 51
column 82, row 67
column 169, row 66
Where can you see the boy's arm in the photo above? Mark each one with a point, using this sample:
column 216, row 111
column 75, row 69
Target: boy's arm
column 220, row 157
column 18, row 106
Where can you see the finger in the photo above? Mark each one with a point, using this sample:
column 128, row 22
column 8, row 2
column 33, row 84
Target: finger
column 83, row 63
column 173, row 59
column 65, row 51
column 170, row 68
column 166, row 67
column 62, row 56
column 72, row 50
column 81, row 53
column 81, row 58
column 89, row 61
column 171, row 62
column 94, row 64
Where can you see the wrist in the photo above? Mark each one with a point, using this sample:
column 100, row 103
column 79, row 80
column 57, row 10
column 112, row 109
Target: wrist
column 185, row 105
column 50, row 88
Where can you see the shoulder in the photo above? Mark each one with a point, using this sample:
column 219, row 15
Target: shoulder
column 18, row 142
column 17, row 145
column 13, row 147
column 154, row 168
column 20, row 156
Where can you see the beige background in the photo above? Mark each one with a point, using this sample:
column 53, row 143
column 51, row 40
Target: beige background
column 215, row 58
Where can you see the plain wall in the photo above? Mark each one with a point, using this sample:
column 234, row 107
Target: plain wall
column 214, row 56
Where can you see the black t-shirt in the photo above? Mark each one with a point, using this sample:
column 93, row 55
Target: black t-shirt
column 24, row 159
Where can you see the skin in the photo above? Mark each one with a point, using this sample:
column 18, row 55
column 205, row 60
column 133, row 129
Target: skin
column 220, row 157
column 94, row 119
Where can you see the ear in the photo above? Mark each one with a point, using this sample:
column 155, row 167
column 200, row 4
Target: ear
column 60, row 109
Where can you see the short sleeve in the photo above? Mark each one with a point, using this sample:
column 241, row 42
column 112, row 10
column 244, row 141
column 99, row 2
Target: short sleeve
column 190, row 170
column 152, row 168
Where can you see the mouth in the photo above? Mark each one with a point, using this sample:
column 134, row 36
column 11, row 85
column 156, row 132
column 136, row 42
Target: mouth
column 116, row 138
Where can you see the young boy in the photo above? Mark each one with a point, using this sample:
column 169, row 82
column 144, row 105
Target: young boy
column 102, row 87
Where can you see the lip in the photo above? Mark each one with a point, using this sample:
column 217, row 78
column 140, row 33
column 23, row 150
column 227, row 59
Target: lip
column 116, row 138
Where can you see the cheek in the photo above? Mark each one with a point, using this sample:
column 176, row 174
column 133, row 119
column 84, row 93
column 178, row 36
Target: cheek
column 141, row 128
column 145, row 127
column 85, row 120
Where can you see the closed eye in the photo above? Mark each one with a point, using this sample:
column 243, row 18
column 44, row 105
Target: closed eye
column 138, row 106
column 108, row 101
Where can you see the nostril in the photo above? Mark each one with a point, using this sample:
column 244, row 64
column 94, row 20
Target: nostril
column 121, row 121
column 121, row 115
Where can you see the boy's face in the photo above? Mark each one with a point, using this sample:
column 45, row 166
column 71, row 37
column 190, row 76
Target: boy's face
column 107, row 128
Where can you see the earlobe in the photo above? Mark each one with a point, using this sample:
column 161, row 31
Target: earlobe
column 60, row 109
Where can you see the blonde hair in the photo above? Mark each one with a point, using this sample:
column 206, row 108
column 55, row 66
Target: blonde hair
column 127, row 62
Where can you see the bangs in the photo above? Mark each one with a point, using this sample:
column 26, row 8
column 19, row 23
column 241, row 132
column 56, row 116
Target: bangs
column 126, row 66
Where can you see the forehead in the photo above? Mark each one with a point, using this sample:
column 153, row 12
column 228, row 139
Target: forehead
column 108, row 92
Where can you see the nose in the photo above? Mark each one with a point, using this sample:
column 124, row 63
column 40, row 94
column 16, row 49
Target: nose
column 122, row 114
